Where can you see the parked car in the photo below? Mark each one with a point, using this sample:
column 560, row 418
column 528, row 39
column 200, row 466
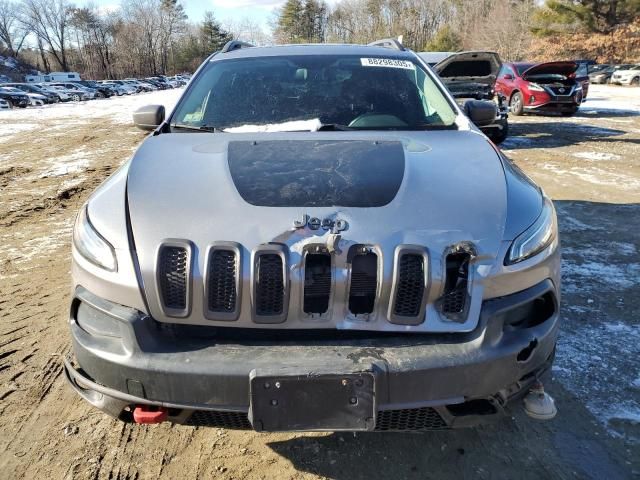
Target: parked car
column 124, row 87
column 35, row 99
column 33, row 88
column 15, row 98
column 628, row 76
column 119, row 90
column 63, row 95
column 581, row 75
column 104, row 90
column 472, row 76
column 72, row 94
column 333, row 247
column 84, row 92
column 543, row 87
column 604, row 75
column 159, row 84
column 4, row 105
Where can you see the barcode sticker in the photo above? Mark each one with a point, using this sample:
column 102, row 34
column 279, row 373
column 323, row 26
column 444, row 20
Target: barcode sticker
column 387, row 62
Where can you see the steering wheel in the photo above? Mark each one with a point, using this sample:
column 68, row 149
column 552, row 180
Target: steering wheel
column 377, row 120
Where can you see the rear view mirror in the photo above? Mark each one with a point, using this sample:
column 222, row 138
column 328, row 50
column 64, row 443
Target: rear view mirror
column 481, row 112
column 148, row 117
column 507, row 76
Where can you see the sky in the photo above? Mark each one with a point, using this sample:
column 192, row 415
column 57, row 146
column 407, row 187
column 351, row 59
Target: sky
column 259, row 11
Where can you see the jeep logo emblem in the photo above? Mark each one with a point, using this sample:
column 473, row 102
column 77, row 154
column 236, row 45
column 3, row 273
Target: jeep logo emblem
column 315, row 223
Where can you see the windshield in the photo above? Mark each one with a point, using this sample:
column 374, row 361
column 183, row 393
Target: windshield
column 307, row 92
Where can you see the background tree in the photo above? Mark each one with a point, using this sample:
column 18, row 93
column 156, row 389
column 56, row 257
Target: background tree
column 49, row 21
column 213, row 35
column 12, row 30
column 599, row 16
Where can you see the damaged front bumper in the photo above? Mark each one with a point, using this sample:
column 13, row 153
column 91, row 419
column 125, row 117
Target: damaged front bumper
column 209, row 376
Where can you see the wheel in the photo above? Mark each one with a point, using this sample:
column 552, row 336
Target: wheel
column 635, row 81
column 75, row 97
column 499, row 135
column 516, row 104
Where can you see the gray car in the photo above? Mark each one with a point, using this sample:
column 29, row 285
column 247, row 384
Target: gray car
column 317, row 238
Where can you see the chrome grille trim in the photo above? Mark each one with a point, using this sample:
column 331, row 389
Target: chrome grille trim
column 173, row 277
column 219, row 284
column 403, row 288
column 260, row 313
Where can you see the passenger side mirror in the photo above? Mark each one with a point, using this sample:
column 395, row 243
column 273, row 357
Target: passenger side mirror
column 148, row 117
column 507, row 76
column 481, row 112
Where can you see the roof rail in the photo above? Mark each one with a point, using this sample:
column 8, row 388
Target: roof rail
column 388, row 43
column 235, row 45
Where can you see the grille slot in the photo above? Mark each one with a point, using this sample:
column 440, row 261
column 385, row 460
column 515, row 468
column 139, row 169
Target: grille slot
column 317, row 283
column 410, row 288
column 269, row 285
column 222, row 283
column 211, row 418
column 410, row 419
column 364, row 283
column 454, row 302
column 173, row 278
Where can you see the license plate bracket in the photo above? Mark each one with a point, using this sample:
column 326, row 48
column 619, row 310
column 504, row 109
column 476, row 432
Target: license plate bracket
column 312, row 401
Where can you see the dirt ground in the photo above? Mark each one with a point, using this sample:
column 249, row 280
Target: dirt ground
column 590, row 166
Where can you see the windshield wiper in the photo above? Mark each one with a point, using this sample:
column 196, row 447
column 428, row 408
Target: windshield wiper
column 198, row 128
column 333, row 127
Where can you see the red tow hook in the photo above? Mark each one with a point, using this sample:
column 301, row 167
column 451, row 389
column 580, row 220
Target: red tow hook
column 149, row 414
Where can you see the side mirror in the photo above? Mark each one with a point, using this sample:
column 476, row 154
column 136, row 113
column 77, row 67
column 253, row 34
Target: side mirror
column 481, row 112
column 507, row 76
column 148, row 117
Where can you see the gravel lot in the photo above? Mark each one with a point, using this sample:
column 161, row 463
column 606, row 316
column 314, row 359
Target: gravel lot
column 52, row 157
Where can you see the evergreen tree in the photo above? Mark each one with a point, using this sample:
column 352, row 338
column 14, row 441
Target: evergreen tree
column 445, row 40
column 213, row 35
column 289, row 25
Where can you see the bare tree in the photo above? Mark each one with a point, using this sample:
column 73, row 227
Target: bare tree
column 49, row 21
column 12, row 30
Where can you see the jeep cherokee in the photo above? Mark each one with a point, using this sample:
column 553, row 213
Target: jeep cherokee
column 316, row 238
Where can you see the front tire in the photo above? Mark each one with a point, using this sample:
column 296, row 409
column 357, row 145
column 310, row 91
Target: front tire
column 497, row 136
column 635, row 81
column 75, row 97
column 516, row 104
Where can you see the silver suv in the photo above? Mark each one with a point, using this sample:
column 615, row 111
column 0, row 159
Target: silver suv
column 316, row 238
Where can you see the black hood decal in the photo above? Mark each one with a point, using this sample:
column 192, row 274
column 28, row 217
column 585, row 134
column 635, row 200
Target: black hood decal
column 294, row 173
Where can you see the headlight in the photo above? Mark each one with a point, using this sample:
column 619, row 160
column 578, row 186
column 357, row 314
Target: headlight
column 536, row 87
column 535, row 238
column 92, row 245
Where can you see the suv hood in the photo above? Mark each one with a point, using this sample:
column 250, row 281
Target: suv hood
column 432, row 189
column 551, row 68
column 470, row 73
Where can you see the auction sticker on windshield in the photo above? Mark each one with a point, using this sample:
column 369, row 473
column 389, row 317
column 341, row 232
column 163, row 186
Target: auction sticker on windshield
column 387, row 62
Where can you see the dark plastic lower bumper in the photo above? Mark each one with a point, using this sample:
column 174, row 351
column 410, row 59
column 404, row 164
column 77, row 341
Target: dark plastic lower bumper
column 203, row 374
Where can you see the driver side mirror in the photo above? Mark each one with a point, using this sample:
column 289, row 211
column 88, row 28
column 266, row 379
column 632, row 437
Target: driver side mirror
column 149, row 117
column 507, row 76
column 481, row 112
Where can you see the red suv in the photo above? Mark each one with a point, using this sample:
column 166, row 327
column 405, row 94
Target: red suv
column 542, row 87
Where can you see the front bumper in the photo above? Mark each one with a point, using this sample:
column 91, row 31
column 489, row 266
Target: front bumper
column 125, row 358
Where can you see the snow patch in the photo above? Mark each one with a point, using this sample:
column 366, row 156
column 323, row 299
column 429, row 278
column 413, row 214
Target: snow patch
column 596, row 156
